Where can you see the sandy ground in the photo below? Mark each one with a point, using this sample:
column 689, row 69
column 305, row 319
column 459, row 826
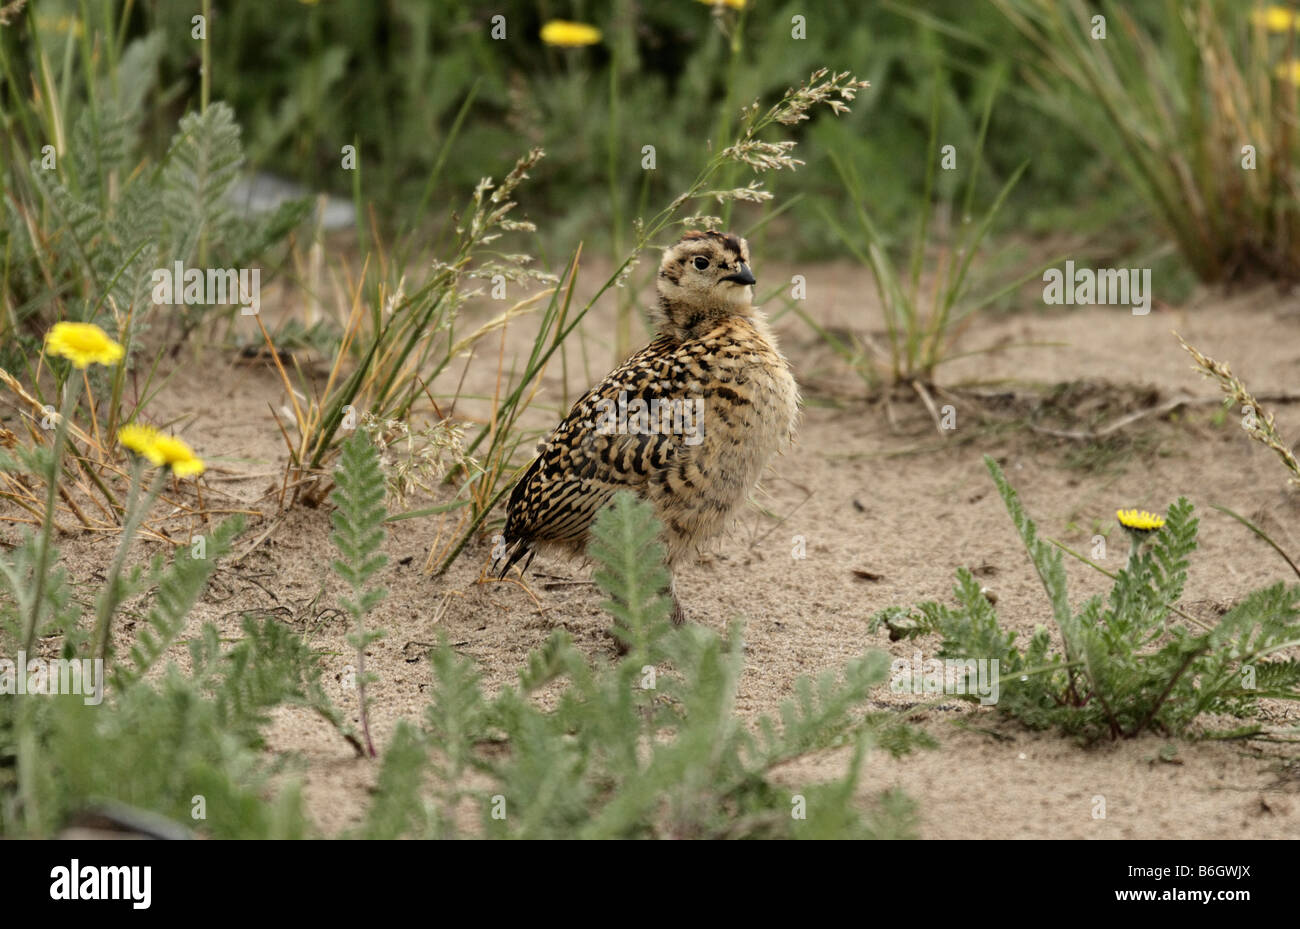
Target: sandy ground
column 871, row 487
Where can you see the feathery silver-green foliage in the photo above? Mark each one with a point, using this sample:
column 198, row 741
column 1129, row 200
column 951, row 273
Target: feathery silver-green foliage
column 183, row 746
column 651, row 746
column 1126, row 666
column 631, row 572
column 87, row 226
column 399, row 807
column 358, row 521
column 179, row 588
column 271, row 666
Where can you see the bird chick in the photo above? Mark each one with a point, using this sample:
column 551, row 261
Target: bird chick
column 687, row 423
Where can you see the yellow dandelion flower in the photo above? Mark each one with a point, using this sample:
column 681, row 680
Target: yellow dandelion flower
column 171, row 452
column 734, row 4
column 1139, row 520
column 83, row 344
column 1289, row 71
column 565, row 34
column 1274, row 18
column 137, row 438
column 160, row 450
column 62, row 25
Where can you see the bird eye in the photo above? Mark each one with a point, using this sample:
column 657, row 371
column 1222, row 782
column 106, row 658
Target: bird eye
column 701, row 263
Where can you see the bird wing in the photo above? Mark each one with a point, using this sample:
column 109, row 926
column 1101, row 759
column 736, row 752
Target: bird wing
column 583, row 463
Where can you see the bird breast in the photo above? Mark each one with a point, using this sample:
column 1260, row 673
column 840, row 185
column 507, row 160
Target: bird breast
column 750, row 404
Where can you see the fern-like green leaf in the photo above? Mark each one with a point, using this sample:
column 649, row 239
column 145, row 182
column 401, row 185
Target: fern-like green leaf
column 358, row 521
column 626, row 547
column 1046, row 559
column 457, row 709
column 398, row 809
column 179, row 588
column 202, row 163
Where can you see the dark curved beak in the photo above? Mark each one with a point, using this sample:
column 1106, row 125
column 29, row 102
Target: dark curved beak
column 743, row 276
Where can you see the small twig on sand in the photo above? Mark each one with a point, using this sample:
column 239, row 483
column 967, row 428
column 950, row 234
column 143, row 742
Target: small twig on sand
column 1158, row 410
column 275, row 524
column 929, row 405
column 1113, row 427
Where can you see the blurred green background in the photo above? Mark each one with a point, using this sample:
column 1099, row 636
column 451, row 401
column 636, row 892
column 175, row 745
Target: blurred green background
column 392, row 77
column 1129, row 144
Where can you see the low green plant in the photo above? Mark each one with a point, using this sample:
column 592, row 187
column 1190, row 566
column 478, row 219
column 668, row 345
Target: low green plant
column 1129, row 663
column 186, row 746
column 181, row 745
column 632, row 572
column 650, row 746
column 38, row 598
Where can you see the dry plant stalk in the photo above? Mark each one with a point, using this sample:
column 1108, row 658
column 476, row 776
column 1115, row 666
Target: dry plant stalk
column 1258, row 422
column 90, row 475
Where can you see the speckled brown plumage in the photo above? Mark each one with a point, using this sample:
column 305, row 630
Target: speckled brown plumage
column 714, row 355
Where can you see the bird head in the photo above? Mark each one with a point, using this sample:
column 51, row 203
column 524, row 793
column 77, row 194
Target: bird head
column 703, row 278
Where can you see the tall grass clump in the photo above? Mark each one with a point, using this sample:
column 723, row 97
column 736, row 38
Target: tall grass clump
column 1196, row 102
column 922, row 318
column 400, row 338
